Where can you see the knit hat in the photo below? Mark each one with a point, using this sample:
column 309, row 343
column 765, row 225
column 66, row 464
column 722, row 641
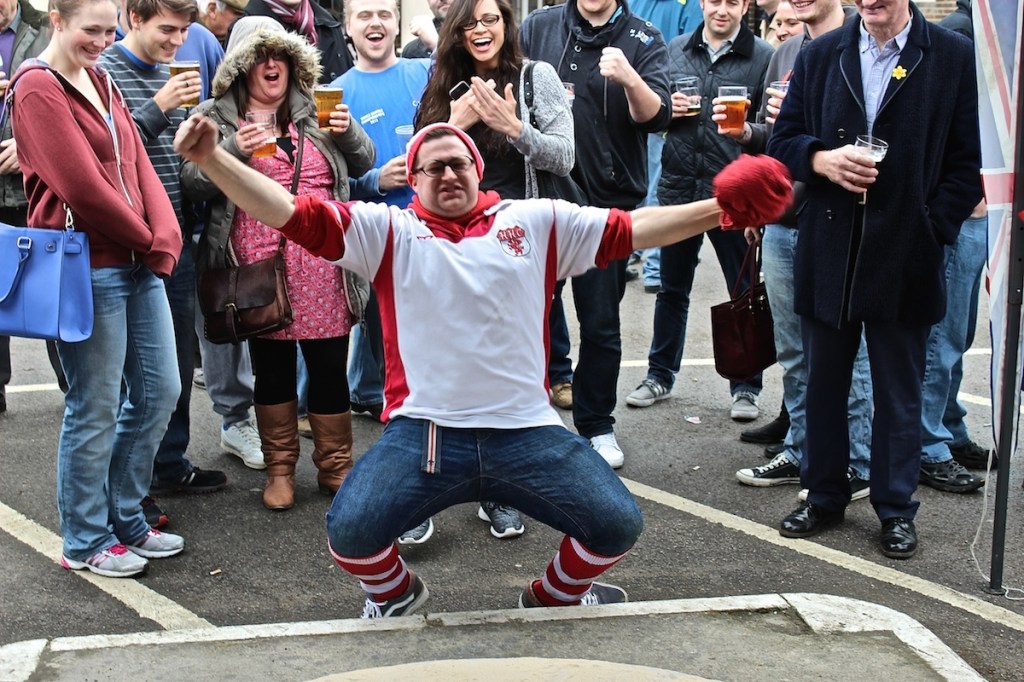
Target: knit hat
column 417, row 139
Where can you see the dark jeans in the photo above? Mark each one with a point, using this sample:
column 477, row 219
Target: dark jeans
column 546, row 472
column 171, row 464
column 273, row 363
column 597, row 294
column 672, row 307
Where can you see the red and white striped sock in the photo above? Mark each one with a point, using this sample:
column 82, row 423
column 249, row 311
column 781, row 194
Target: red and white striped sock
column 383, row 576
column 571, row 573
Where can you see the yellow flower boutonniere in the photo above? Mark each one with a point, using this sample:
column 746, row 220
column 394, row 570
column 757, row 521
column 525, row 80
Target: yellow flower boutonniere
column 899, row 73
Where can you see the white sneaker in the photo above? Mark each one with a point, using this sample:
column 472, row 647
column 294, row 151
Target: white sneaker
column 744, row 407
column 113, row 562
column 609, row 449
column 157, row 545
column 242, row 440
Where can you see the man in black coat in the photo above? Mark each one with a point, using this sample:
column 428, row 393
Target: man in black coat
column 876, row 266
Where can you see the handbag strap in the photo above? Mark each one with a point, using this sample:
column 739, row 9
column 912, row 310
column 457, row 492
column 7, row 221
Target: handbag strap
column 528, row 90
column 296, row 174
column 751, row 268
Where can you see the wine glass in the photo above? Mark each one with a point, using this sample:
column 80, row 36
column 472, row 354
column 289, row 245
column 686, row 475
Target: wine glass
column 873, row 147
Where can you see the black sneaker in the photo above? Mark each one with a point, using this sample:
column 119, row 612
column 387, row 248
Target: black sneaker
column 405, row 605
column 773, row 432
column 972, row 455
column 505, row 521
column 417, row 535
column 155, row 516
column 373, row 410
column 859, row 487
column 779, row 471
column 774, row 449
column 950, row 477
column 599, row 593
column 195, row 482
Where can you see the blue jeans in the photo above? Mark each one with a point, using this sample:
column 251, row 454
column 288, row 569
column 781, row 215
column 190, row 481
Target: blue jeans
column 107, row 445
column 652, row 259
column 942, row 418
column 171, row 464
column 671, row 310
column 559, row 364
column 545, row 472
column 597, row 294
column 366, row 358
column 779, row 249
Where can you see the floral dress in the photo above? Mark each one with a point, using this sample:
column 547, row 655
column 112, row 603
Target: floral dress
column 316, row 288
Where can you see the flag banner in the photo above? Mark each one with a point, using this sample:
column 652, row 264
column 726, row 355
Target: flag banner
column 997, row 40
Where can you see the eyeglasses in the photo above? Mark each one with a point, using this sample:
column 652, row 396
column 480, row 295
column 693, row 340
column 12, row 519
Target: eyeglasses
column 264, row 55
column 486, row 20
column 435, row 169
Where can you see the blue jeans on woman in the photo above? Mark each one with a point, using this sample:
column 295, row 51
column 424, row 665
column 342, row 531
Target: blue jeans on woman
column 942, row 417
column 547, row 472
column 107, row 446
column 779, row 249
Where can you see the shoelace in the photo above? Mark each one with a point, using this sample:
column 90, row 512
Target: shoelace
column 590, row 599
column 371, row 609
column 117, row 550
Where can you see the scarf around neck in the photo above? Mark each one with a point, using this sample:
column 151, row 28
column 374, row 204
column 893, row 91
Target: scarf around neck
column 454, row 229
column 297, row 17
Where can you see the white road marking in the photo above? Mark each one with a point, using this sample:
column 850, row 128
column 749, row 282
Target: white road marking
column 167, row 613
column 868, row 569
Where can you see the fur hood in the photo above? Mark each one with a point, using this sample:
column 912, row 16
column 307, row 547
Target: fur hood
column 305, row 62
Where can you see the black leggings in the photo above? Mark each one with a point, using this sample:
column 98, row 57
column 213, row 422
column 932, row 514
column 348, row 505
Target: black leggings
column 273, row 363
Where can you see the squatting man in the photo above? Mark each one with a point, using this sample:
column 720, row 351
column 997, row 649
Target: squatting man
column 464, row 282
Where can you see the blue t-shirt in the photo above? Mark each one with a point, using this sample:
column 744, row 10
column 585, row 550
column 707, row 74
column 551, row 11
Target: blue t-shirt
column 384, row 103
column 671, row 17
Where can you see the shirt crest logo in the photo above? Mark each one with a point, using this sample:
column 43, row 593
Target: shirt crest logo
column 641, row 35
column 513, row 241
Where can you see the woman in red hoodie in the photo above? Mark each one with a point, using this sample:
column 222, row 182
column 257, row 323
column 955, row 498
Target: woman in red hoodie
column 81, row 155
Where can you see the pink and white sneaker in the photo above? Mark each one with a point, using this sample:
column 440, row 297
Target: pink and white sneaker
column 113, row 562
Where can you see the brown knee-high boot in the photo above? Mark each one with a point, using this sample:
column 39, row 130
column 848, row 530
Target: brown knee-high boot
column 279, row 433
column 332, row 449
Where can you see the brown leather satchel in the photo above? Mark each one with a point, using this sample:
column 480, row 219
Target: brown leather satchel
column 245, row 301
column 248, row 300
column 742, row 330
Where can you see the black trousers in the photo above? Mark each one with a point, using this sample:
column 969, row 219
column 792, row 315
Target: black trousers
column 273, row 364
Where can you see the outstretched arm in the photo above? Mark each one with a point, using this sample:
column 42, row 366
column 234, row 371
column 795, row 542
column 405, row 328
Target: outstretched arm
column 661, row 225
column 258, row 195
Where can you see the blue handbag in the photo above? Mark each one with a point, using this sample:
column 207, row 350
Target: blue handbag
column 45, row 283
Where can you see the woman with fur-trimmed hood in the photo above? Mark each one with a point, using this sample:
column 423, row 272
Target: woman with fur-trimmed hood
column 266, row 69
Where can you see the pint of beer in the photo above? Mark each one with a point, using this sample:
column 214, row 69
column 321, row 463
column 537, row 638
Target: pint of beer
column 186, row 67
column 734, row 98
column 267, row 120
column 689, row 87
column 327, row 99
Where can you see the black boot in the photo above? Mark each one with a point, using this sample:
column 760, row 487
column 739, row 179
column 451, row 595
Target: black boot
column 772, row 432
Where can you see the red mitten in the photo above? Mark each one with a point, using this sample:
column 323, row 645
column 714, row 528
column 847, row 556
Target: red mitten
column 752, row 191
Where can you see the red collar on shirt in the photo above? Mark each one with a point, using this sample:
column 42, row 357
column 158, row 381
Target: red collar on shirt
column 455, row 229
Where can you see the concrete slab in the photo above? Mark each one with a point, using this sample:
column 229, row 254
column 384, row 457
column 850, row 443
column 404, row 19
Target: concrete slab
column 758, row 637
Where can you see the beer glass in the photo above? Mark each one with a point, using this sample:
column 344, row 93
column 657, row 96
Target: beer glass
column 267, row 120
column 689, row 87
column 873, row 147
column 327, row 100
column 186, row 67
column 734, row 98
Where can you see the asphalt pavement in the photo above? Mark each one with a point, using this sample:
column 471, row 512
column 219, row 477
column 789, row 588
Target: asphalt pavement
column 715, row 592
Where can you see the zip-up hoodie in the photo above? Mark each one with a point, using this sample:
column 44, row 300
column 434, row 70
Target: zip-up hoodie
column 70, row 155
column 611, row 148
